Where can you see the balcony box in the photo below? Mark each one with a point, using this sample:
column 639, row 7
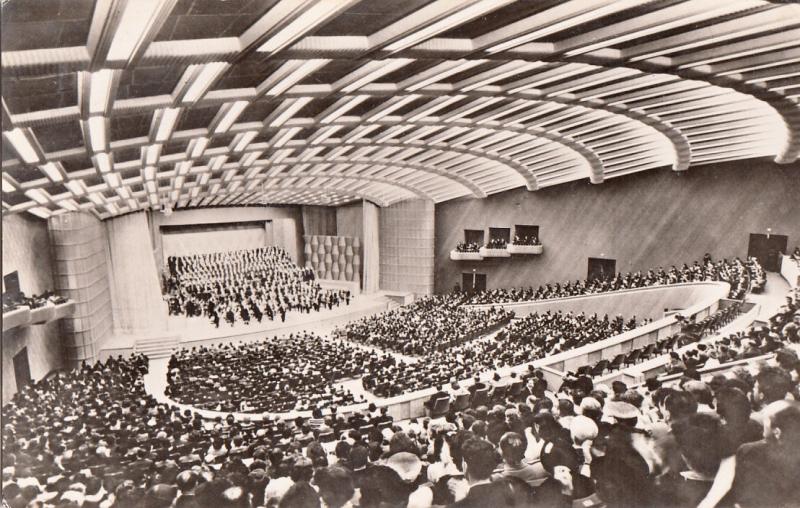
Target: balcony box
column 63, row 310
column 17, row 317
column 525, row 249
column 41, row 315
column 495, row 253
column 465, row 256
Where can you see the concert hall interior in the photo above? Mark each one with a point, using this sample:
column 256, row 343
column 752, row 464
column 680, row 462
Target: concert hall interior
column 400, row 253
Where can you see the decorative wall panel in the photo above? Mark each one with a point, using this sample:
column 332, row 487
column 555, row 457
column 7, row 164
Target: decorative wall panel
column 334, row 257
column 406, row 247
column 79, row 250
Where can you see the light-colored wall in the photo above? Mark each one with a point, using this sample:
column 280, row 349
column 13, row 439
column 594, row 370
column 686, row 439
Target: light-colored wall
column 643, row 221
column 26, row 248
column 350, row 220
column 407, row 247
column 646, row 303
column 81, row 273
column 319, row 220
column 290, row 217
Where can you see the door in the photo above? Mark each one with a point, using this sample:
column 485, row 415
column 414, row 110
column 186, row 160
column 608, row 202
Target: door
column 22, row 370
column 768, row 249
column 600, row 268
column 473, row 282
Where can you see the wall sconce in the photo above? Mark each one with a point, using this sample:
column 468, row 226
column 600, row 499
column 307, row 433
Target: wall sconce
column 769, row 232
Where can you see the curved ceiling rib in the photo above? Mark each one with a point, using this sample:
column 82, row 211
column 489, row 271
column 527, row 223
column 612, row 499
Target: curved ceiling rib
column 447, row 98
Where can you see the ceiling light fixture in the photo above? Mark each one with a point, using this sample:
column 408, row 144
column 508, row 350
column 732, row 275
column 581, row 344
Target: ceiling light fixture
column 113, row 180
column 102, row 162
column 244, row 140
column 300, row 25
column 294, row 106
column 37, row 195
column 151, row 155
column 51, row 170
column 8, row 186
column 230, row 116
column 76, row 187
column 459, row 17
column 198, row 146
column 22, row 144
column 97, row 133
column 204, row 79
column 99, row 88
column 131, row 30
column 166, row 123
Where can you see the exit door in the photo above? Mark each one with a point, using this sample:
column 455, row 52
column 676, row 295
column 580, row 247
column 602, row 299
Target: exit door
column 473, row 282
column 22, row 369
column 768, row 250
column 601, row 268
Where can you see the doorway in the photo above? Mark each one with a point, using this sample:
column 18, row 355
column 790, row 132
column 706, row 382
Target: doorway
column 473, row 282
column 768, row 249
column 601, row 268
column 22, row 369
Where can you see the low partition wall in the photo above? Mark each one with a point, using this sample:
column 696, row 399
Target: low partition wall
column 790, row 270
column 706, row 299
column 658, row 365
column 648, row 302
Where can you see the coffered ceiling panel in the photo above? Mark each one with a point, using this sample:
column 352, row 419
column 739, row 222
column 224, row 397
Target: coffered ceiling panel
column 112, row 106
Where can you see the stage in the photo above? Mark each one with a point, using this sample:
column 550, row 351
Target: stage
column 183, row 331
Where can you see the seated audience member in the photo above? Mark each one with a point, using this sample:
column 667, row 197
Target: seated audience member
column 478, row 463
column 512, row 448
column 737, row 273
column 767, row 471
column 335, row 485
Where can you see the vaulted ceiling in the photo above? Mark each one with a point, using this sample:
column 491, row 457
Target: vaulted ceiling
column 112, row 106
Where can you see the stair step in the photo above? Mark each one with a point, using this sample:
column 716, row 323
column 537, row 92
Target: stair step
column 158, row 341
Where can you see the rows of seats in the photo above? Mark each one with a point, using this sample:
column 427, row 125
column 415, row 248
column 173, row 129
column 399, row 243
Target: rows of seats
column 691, row 331
column 736, row 272
column 428, row 325
column 524, row 340
column 299, row 372
column 94, row 438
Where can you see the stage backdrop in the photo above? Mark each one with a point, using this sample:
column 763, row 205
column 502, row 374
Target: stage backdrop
column 189, row 239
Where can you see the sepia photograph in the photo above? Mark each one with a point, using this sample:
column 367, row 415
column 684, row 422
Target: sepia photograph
column 400, row 253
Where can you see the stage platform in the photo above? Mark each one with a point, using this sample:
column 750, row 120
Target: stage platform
column 200, row 331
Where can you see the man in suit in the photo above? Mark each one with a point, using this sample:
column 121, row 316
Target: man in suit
column 440, row 394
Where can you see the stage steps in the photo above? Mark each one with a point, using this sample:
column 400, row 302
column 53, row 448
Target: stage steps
column 156, row 347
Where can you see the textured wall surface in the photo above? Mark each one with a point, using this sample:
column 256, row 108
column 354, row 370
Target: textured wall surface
column 406, row 247
column 334, row 257
column 644, row 220
column 80, row 252
column 319, row 220
column 26, row 249
column 350, row 220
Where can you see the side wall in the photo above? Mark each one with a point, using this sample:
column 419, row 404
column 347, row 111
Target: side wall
column 655, row 218
column 26, row 249
column 406, row 246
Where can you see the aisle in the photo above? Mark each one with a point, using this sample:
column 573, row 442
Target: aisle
column 773, row 297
